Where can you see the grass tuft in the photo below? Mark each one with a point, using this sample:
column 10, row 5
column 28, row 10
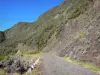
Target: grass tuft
column 4, row 58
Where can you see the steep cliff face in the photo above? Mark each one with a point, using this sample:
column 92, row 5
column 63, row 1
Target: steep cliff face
column 70, row 29
column 2, row 36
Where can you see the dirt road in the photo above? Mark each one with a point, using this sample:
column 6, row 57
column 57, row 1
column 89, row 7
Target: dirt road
column 57, row 66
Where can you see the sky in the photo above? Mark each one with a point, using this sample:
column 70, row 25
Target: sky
column 14, row 11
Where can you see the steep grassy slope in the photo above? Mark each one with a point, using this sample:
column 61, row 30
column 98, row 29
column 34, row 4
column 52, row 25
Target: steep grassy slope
column 34, row 34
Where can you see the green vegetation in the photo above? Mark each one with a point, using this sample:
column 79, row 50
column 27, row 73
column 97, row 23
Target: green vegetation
column 2, row 72
column 4, row 58
column 78, row 7
column 82, row 34
column 84, row 64
column 68, row 59
column 91, row 66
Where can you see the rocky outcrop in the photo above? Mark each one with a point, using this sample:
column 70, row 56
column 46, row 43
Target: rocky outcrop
column 14, row 65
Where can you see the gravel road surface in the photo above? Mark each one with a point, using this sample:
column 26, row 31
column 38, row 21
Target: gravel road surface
column 57, row 66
